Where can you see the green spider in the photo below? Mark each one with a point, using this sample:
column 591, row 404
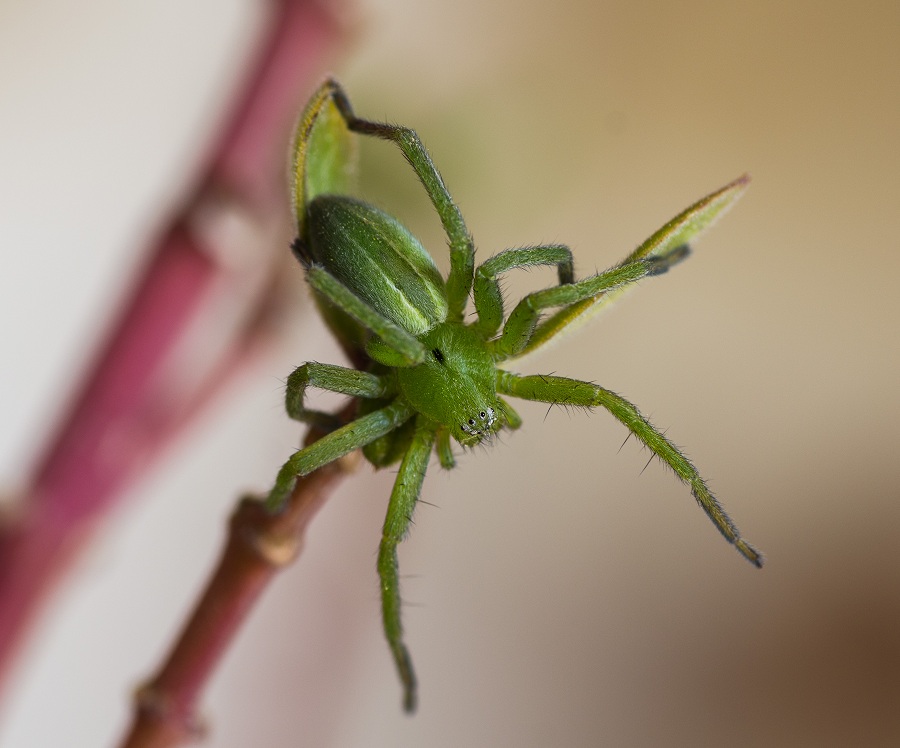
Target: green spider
column 423, row 374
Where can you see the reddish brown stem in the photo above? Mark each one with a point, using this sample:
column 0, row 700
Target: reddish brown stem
column 259, row 544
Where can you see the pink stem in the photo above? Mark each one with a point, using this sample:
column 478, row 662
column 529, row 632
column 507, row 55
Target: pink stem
column 127, row 411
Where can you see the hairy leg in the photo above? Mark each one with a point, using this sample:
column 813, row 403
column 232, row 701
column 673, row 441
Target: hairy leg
column 551, row 389
column 334, row 445
column 486, row 289
column 333, row 379
column 664, row 248
column 462, row 249
column 406, row 349
column 521, row 323
column 396, row 525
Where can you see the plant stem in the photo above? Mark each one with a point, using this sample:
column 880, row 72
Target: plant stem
column 259, row 544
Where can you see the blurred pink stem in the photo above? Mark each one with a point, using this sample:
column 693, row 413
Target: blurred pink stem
column 127, row 411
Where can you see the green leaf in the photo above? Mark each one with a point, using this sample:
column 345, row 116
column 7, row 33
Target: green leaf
column 690, row 223
column 678, row 232
column 323, row 154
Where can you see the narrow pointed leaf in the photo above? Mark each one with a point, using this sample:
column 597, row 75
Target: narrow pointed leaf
column 681, row 230
column 690, row 223
column 323, row 153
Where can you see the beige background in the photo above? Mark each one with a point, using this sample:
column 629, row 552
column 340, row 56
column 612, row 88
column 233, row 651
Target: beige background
column 560, row 596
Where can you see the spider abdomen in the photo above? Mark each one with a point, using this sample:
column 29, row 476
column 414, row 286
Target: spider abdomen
column 378, row 259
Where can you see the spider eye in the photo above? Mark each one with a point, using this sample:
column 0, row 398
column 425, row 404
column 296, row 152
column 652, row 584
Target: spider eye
column 471, row 421
column 483, row 415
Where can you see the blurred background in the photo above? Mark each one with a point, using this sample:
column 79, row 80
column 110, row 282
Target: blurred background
column 557, row 594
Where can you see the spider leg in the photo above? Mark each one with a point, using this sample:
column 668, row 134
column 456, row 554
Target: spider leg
column 333, row 379
column 486, row 289
column 581, row 311
column 663, row 249
column 334, row 445
column 462, row 248
column 551, row 389
column 520, row 325
column 406, row 349
column 396, row 525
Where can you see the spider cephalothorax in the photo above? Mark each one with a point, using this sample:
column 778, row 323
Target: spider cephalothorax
column 424, row 375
